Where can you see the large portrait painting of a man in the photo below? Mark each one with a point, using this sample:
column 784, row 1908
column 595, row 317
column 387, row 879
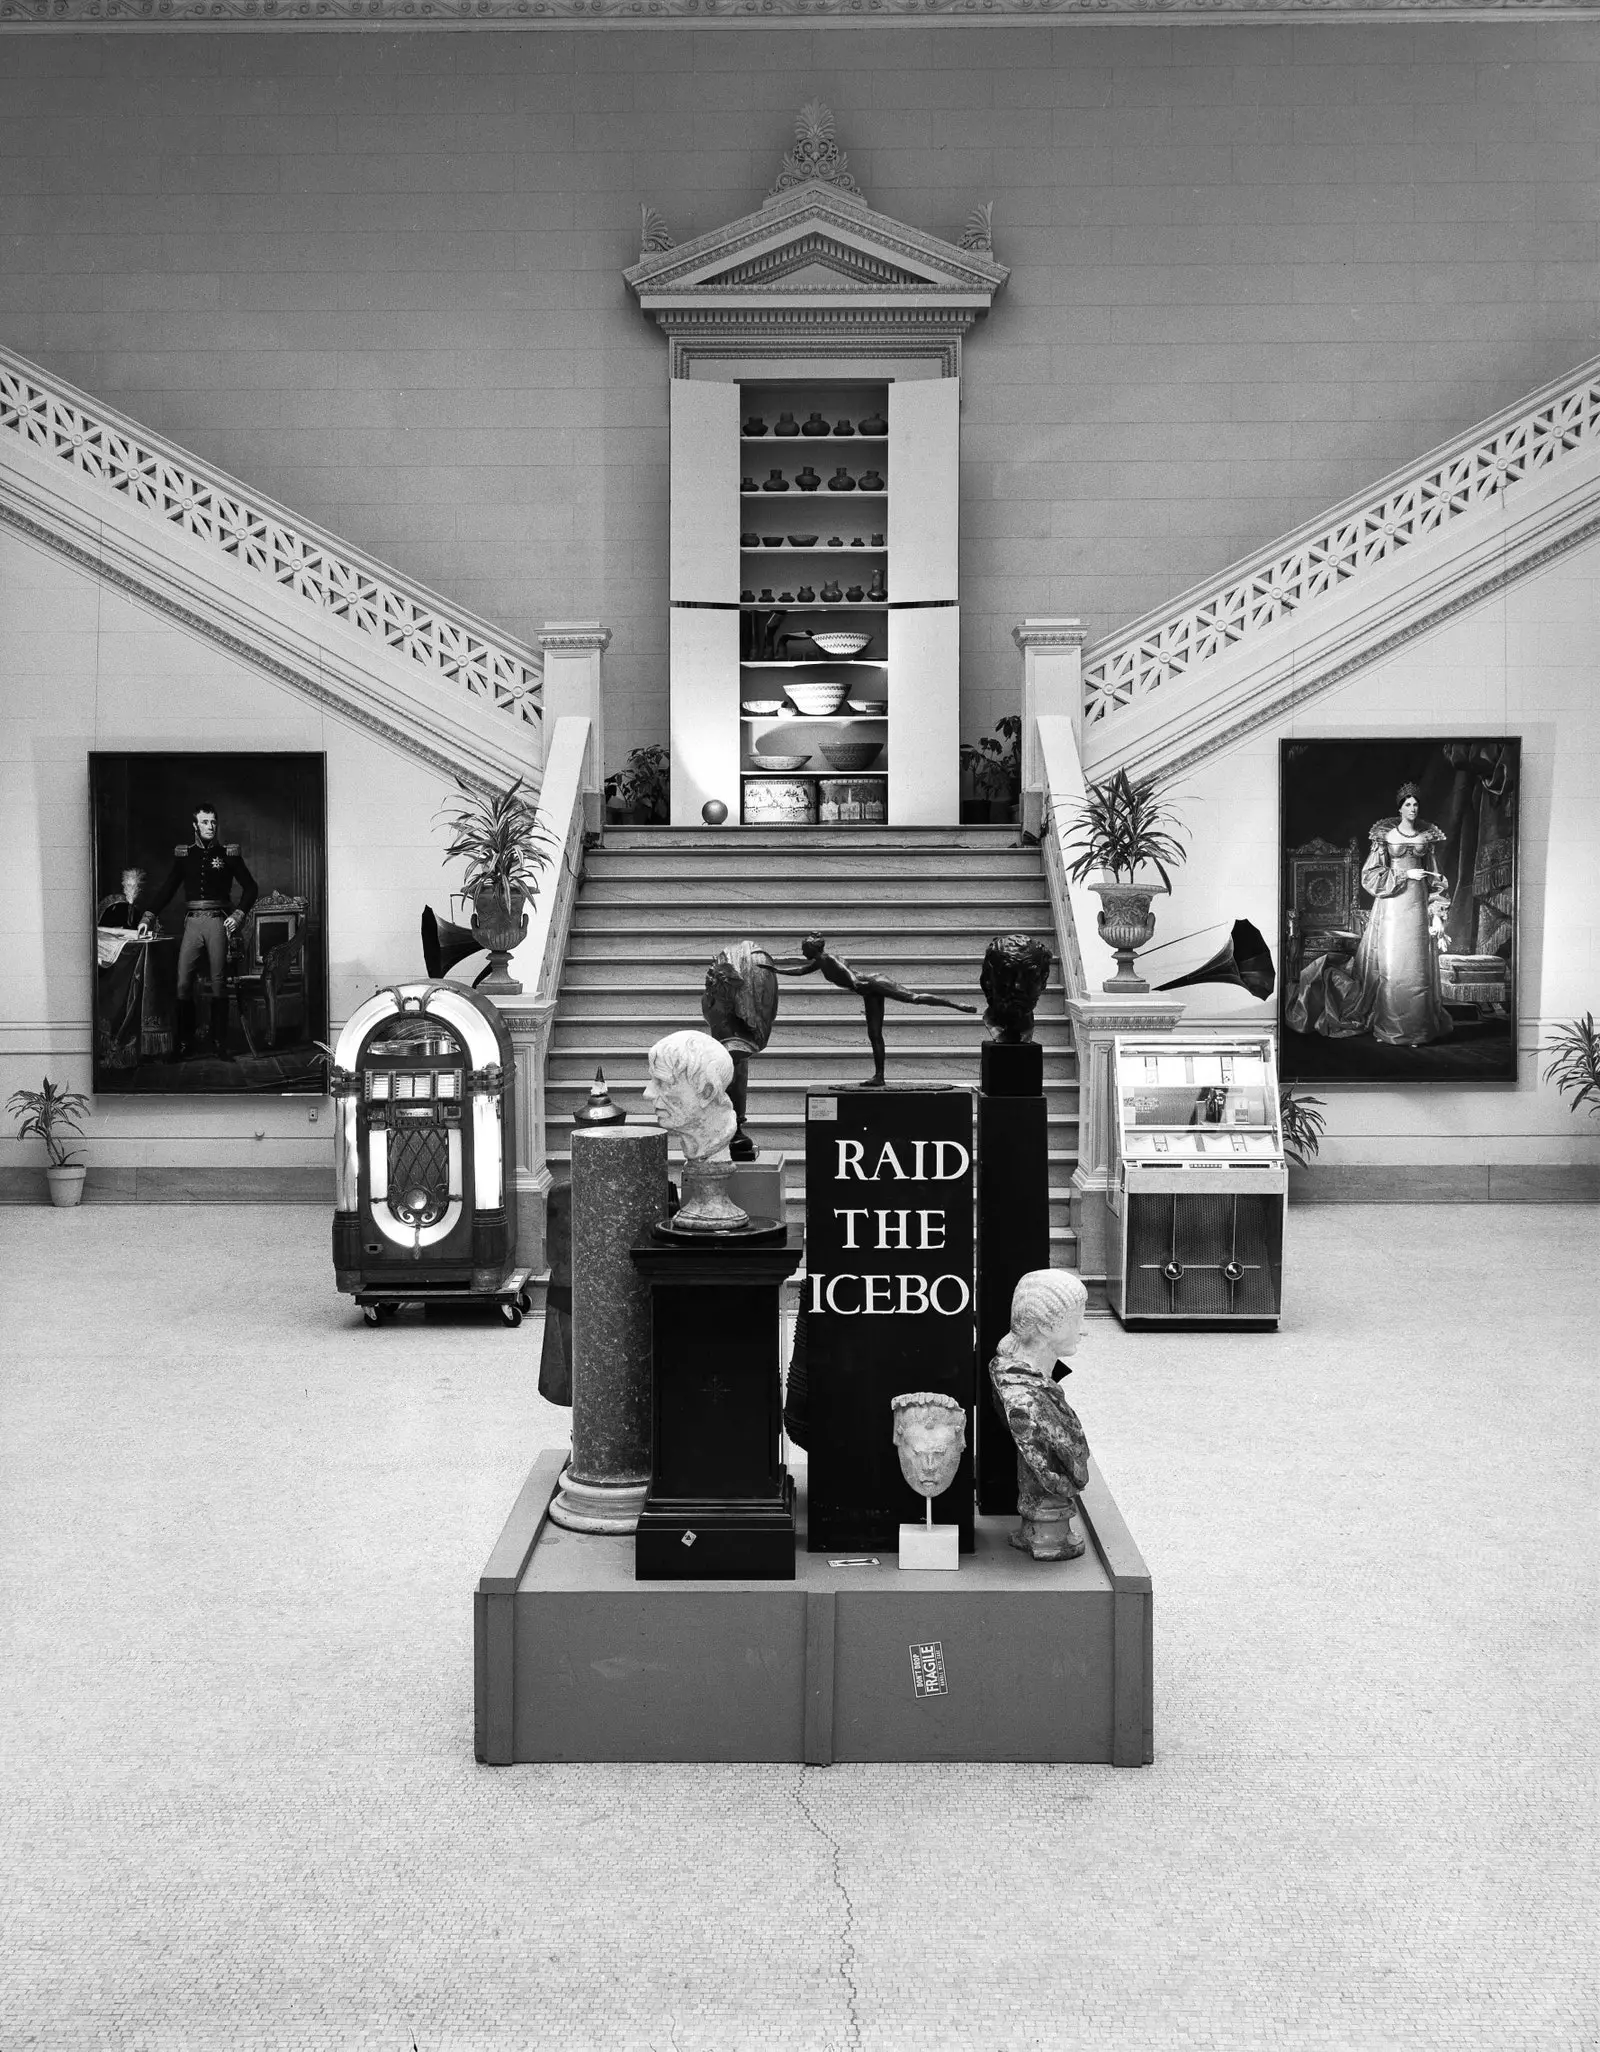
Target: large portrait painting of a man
column 210, row 922
column 1399, row 910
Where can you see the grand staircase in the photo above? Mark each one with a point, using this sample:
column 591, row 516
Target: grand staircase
column 917, row 903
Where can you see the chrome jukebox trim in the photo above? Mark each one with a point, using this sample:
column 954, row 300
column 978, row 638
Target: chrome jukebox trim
column 383, row 1004
column 475, row 1030
column 346, row 1153
column 487, row 1171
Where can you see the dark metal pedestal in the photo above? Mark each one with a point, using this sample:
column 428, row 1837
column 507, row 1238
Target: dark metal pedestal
column 721, row 1504
column 1013, row 1235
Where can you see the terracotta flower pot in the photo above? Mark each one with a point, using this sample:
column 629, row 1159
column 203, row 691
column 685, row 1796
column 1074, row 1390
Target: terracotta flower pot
column 1126, row 923
column 66, row 1184
column 500, row 926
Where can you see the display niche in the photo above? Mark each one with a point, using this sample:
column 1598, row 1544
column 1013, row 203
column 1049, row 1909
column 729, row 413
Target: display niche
column 814, row 627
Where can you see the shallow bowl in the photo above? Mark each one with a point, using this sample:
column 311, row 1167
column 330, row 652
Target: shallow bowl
column 818, row 699
column 841, row 643
column 762, row 760
column 851, row 755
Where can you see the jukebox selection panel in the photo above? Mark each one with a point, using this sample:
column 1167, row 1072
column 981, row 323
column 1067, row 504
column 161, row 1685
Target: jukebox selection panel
column 1214, row 1104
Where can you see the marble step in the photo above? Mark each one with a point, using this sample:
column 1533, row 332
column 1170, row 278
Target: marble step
column 800, row 1000
column 920, row 1026
column 1016, row 866
column 925, row 960
column 783, row 921
column 730, row 893
column 799, row 840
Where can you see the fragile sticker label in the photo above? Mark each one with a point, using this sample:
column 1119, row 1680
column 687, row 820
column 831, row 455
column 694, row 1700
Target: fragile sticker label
column 927, row 1669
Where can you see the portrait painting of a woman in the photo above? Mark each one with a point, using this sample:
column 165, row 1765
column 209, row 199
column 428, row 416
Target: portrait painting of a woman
column 1391, row 989
column 1399, row 926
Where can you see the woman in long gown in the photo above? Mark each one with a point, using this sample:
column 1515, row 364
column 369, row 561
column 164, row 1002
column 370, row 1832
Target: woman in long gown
column 1390, row 989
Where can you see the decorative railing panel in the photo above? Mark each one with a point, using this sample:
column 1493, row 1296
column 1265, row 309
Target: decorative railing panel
column 59, row 422
column 1360, row 537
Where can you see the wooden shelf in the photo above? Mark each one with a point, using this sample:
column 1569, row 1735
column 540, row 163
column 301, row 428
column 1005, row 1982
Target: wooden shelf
column 770, row 441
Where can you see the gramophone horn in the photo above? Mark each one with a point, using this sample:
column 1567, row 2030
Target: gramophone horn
column 1244, row 958
column 444, row 945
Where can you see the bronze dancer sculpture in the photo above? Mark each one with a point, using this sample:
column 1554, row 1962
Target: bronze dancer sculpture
column 873, row 991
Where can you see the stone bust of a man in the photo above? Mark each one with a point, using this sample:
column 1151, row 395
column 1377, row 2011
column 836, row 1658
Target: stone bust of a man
column 689, row 1077
column 930, row 1431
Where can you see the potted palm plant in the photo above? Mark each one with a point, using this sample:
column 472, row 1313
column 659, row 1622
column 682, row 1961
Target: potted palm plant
column 1303, row 1124
column 639, row 794
column 48, row 1115
column 1575, row 1062
column 1116, row 830
column 498, row 836
column 994, row 770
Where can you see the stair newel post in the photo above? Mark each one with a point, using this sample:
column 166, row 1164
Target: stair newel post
column 572, row 688
column 1052, row 684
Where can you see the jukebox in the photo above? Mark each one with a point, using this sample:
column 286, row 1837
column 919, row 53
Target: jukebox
column 1198, row 1181
column 424, row 1139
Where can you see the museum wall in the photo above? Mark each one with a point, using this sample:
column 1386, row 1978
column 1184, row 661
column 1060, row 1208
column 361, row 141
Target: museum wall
column 82, row 668
column 1525, row 662
column 378, row 276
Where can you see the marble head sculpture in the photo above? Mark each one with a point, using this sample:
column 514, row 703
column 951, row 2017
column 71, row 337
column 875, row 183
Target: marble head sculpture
column 689, row 1077
column 1047, row 1309
column 930, row 1431
column 1016, row 969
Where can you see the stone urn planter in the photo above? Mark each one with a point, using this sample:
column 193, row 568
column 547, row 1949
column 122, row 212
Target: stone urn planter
column 1125, row 923
column 500, row 924
column 66, row 1184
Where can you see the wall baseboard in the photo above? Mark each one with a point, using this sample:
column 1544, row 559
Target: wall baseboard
column 291, row 1185
column 1445, row 1183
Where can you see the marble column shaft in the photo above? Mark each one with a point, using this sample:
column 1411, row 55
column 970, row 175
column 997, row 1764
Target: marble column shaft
column 619, row 1191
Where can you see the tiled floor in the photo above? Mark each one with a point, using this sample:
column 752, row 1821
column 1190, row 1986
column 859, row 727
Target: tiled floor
column 239, row 1534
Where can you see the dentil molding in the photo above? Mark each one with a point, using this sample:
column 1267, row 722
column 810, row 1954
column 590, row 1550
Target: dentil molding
column 35, row 16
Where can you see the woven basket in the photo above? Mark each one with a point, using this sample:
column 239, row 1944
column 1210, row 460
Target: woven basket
column 843, row 801
column 820, row 698
column 770, row 759
column 784, row 801
column 851, row 755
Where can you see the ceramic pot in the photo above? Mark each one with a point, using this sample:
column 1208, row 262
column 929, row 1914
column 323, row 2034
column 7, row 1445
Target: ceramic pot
column 855, row 595
column 805, row 595
column 1125, row 924
column 499, row 924
column 808, row 480
column 844, row 428
column 776, row 482
column 766, row 595
column 747, row 598
column 877, row 541
column 785, row 598
column 877, row 589
column 841, row 481
column 815, row 425
column 835, row 541
column 787, row 425
column 856, row 542
column 871, row 481
column 831, row 592
column 874, row 424
column 772, row 541
column 755, row 425
column 66, row 1184
column 749, row 541
column 747, row 484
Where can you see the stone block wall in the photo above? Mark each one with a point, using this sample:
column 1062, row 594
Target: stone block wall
column 378, row 276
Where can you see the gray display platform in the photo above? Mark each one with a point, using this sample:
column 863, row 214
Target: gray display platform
column 575, row 1660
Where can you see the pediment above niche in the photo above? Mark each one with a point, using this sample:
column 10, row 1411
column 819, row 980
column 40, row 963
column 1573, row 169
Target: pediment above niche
column 816, row 244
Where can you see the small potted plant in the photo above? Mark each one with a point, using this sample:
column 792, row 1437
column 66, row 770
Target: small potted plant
column 640, row 793
column 1575, row 1063
column 48, row 1115
column 994, row 770
column 1118, row 829
column 1303, row 1126
column 498, row 836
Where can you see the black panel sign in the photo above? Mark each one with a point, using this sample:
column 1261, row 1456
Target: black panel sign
column 889, row 1302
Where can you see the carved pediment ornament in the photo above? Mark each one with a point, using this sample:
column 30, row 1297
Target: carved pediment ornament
column 816, row 158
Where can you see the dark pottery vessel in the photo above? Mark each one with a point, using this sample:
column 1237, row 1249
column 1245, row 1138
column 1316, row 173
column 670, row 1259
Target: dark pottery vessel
column 776, row 482
column 815, row 425
column 747, row 598
column 831, row 591
column 874, row 424
column 749, row 541
column 755, row 425
column 877, row 541
column 772, row 541
column 785, row 598
column 841, row 481
column 855, row 595
column 871, row 481
column 808, row 480
column 856, row 542
column 787, row 425
column 766, row 595
column 844, row 428
column 748, row 484
column 805, row 595
column 877, row 589
column 835, row 541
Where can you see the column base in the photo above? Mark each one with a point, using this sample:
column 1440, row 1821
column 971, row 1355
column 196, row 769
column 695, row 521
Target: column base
column 598, row 1506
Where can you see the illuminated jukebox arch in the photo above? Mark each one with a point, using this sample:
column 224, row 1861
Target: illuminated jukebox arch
column 424, row 1138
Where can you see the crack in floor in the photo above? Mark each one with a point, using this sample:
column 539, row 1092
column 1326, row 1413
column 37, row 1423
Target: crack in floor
column 847, row 1948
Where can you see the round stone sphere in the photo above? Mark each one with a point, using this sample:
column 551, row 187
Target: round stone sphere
column 713, row 812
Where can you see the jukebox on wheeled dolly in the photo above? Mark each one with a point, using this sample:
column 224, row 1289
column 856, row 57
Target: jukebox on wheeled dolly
column 1198, row 1181
column 426, row 1204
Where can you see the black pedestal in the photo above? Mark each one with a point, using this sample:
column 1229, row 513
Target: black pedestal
column 1013, row 1235
column 721, row 1504
column 889, row 1195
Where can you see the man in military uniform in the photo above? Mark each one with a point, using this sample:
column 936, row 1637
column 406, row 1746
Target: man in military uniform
column 206, row 871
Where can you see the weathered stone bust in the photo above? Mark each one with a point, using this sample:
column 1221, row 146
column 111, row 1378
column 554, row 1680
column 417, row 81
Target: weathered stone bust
column 930, row 1431
column 741, row 997
column 1052, row 1454
column 689, row 1077
column 1016, row 969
